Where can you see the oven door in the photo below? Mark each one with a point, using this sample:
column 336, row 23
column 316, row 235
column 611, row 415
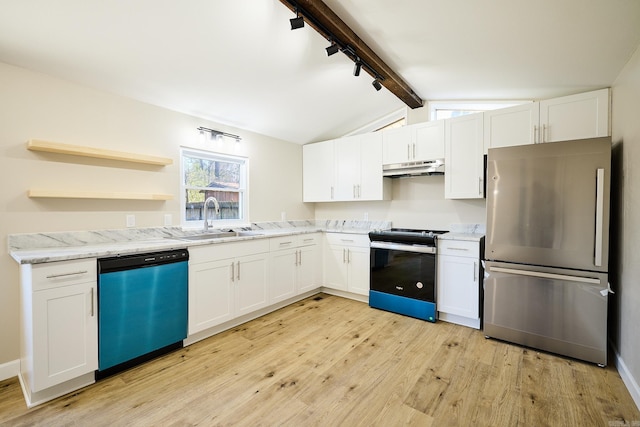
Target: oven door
column 403, row 279
column 404, row 270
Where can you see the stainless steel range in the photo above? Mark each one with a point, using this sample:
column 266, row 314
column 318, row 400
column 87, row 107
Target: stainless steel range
column 403, row 272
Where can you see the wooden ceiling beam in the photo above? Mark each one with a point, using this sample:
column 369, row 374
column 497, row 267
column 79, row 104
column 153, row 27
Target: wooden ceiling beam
column 322, row 19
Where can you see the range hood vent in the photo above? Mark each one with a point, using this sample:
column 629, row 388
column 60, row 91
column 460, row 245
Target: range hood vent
column 426, row 167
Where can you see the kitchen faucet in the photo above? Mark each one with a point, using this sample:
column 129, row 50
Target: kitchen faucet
column 206, row 210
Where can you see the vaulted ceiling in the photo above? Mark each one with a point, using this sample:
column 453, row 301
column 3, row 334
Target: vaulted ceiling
column 238, row 63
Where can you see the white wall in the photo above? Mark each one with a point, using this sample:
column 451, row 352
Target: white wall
column 418, row 202
column 37, row 106
column 625, row 222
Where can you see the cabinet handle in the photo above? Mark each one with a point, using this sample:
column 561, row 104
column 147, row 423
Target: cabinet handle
column 233, row 276
column 480, row 180
column 414, row 152
column 238, row 276
column 285, row 243
column 475, row 270
column 544, row 133
column 535, row 134
column 348, row 256
column 354, row 191
column 92, row 310
column 332, row 192
column 300, row 257
column 359, row 192
column 346, row 240
column 457, row 249
column 344, row 256
column 408, row 152
column 55, row 276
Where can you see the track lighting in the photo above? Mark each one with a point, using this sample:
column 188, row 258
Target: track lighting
column 297, row 22
column 376, row 84
column 357, row 67
column 333, row 49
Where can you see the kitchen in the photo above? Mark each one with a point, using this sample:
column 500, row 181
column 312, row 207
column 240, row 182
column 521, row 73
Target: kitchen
column 39, row 106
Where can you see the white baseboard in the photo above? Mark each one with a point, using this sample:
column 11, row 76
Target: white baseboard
column 9, row 369
column 627, row 378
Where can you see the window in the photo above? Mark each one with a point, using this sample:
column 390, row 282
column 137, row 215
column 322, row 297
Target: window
column 447, row 110
column 207, row 174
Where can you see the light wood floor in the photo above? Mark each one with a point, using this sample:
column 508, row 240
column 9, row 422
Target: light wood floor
column 331, row 361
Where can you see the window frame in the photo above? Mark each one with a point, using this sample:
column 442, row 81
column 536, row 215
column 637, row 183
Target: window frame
column 470, row 107
column 243, row 189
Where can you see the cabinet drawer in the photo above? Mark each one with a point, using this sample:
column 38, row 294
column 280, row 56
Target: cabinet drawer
column 218, row 251
column 346, row 239
column 459, row 248
column 283, row 242
column 63, row 273
column 309, row 239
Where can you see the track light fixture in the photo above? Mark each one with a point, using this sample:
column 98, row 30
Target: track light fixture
column 376, row 84
column 217, row 135
column 297, row 22
column 333, row 49
column 357, row 67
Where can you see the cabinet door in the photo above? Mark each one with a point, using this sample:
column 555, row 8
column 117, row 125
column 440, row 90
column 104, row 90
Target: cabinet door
column 428, row 140
column 347, row 152
column 283, row 274
column 335, row 267
column 251, row 282
column 464, row 165
column 359, row 270
column 585, row 115
column 65, row 334
column 396, row 145
column 372, row 185
column 458, row 286
column 210, row 294
column 318, row 172
column 309, row 276
column 511, row 126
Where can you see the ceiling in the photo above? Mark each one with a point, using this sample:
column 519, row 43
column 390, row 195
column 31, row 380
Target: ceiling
column 239, row 64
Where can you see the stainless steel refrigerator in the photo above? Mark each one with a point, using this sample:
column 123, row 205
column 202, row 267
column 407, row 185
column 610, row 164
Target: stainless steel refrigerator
column 547, row 246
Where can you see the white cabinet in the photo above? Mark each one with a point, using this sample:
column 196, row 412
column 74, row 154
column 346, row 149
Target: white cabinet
column 346, row 262
column 585, row 115
column 458, row 282
column 345, row 169
column 359, row 168
column 464, row 164
column 225, row 281
column 59, row 347
column 318, row 173
column 294, row 266
column 422, row 141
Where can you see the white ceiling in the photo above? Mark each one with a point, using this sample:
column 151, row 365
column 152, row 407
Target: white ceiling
column 238, row 63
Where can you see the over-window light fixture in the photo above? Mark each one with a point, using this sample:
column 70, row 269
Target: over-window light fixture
column 217, row 135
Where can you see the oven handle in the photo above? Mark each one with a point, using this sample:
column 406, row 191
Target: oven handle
column 407, row 248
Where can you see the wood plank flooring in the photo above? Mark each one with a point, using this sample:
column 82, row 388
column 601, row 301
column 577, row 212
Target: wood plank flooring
column 331, row 361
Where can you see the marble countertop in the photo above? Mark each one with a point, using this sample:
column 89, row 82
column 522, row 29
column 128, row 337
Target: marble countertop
column 38, row 248
column 472, row 237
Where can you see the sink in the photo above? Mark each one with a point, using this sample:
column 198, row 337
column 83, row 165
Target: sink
column 220, row 235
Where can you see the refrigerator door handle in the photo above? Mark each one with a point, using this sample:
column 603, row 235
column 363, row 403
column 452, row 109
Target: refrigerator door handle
column 599, row 217
column 540, row 274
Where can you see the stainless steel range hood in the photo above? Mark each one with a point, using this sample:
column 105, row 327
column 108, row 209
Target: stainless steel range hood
column 426, row 167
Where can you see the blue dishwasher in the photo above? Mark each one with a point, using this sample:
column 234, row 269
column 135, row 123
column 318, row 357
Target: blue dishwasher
column 142, row 308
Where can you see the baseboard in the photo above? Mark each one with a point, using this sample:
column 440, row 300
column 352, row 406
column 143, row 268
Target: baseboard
column 627, row 378
column 9, row 369
column 345, row 294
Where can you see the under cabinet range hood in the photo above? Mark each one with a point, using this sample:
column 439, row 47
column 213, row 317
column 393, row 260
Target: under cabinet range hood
column 424, row 167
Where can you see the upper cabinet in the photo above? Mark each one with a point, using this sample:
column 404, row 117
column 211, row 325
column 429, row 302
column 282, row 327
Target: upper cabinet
column 345, row 169
column 422, row 141
column 464, row 163
column 318, row 173
column 585, row 115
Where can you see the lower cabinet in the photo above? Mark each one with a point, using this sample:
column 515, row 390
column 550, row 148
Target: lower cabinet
column 458, row 296
column 294, row 266
column 346, row 262
column 59, row 349
column 226, row 281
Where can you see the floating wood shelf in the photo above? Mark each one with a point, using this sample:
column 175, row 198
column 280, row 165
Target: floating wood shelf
column 77, row 150
column 56, row 194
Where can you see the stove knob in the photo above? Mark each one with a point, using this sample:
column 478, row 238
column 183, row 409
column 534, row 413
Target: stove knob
column 419, row 285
